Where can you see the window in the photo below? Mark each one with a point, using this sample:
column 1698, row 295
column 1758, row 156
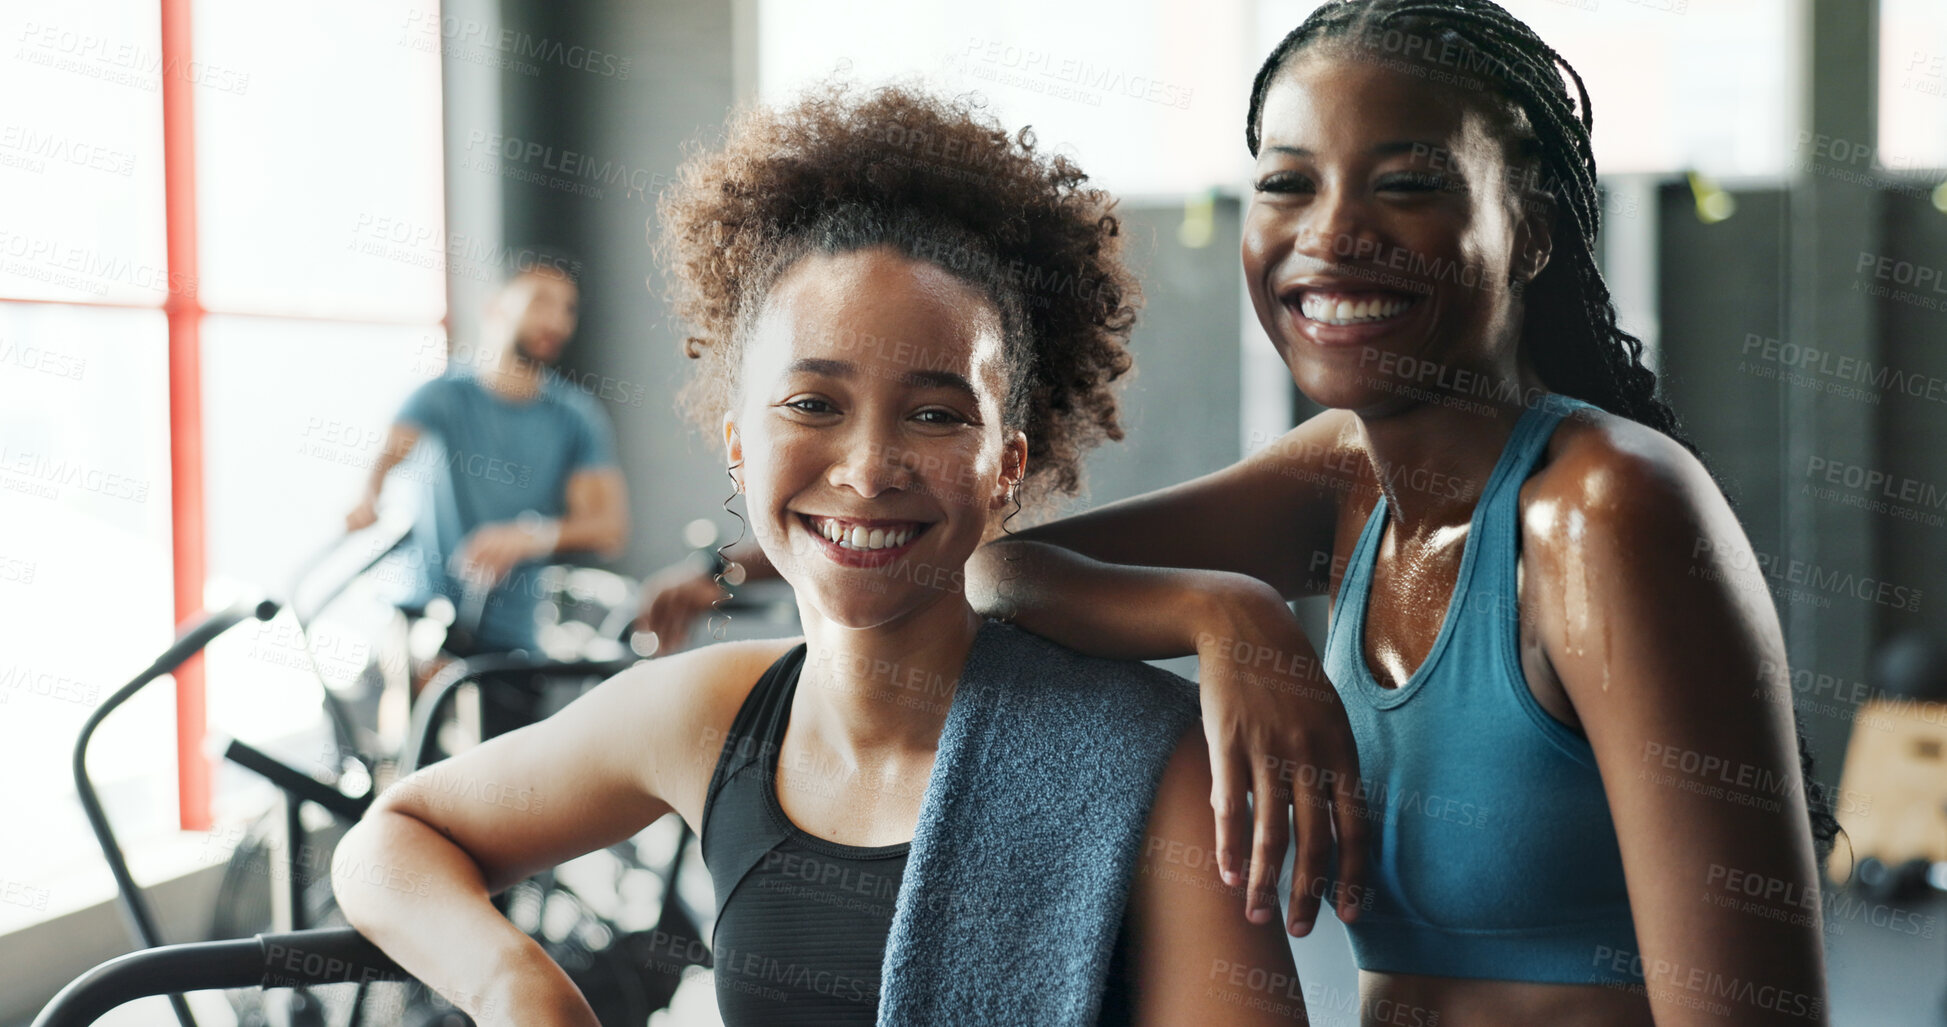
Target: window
column 1145, row 97
column 1912, row 85
column 319, row 298
column 1677, row 85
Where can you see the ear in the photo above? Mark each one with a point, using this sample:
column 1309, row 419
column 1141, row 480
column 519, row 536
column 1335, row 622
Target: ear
column 1534, row 240
column 733, row 447
column 1014, row 467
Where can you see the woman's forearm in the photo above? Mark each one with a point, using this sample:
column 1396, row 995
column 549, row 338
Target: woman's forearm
column 423, row 900
column 1104, row 609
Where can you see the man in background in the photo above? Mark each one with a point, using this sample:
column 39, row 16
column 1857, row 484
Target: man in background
column 521, row 466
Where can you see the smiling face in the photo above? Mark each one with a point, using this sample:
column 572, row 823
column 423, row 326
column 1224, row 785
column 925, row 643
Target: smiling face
column 1382, row 226
column 869, row 430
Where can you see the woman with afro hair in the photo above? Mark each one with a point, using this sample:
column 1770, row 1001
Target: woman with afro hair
column 907, row 326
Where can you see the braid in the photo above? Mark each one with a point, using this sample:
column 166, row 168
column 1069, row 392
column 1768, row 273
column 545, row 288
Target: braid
column 1569, row 318
column 1588, row 355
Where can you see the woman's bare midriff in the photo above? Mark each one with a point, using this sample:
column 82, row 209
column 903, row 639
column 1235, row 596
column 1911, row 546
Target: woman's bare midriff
column 1417, row 1000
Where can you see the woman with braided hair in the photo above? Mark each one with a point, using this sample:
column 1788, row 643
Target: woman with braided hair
column 1575, row 749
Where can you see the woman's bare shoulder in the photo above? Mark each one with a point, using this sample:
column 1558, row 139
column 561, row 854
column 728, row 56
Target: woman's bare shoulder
column 1620, row 476
column 683, row 705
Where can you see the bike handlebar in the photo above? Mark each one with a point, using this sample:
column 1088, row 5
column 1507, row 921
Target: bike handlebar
column 433, row 697
column 296, row 784
column 141, row 920
column 332, row 955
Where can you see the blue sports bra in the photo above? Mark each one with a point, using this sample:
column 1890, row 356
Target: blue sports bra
column 1492, row 851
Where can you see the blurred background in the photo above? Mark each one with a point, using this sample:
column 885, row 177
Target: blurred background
column 234, row 236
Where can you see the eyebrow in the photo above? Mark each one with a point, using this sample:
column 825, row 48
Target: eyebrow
column 919, row 379
column 1385, row 149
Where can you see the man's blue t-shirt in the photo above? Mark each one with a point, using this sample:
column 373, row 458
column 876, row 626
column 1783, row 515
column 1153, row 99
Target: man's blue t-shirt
column 486, row 459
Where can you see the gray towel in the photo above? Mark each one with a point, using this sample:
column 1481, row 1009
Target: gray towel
column 1028, row 835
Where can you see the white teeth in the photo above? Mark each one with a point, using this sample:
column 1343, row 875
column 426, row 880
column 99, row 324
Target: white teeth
column 1329, row 311
column 861, row 537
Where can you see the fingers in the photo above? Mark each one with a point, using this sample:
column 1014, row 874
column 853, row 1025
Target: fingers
column 1313, row 824
column 1229, row 782
column 1267, row 845
column 1353, row 828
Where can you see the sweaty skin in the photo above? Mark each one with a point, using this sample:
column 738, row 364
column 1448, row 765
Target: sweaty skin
column 1643, row 622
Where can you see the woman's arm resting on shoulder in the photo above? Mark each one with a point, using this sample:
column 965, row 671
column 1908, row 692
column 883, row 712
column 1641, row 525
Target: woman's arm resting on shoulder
column 1193, row 959
column 1275, row 726
column 416, row 875
column 1205, row 567
column 1272, row 516
column 1669, row 647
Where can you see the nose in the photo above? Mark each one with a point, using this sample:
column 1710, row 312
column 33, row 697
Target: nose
column 1335, row 227
column 873, row 462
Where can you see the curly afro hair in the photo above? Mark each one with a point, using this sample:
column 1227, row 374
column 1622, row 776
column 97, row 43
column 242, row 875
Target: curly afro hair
column 939, row 181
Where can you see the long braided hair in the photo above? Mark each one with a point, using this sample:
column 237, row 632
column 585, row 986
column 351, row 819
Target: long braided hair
column 1568, row 314
column 1587, row 355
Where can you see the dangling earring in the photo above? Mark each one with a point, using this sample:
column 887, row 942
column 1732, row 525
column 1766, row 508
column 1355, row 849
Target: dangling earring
column 722, row 562
column 1013, row 500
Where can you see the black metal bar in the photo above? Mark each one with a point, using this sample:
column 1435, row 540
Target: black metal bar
column 484, row 670
column 135, row 909
column 296, row 783
column 295, row 880
column 167, row 969
column 334, row 955
column 325, row 955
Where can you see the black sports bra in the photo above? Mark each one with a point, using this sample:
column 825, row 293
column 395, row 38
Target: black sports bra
column 802, row 922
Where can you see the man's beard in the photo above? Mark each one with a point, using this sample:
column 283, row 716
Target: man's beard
column 527, row 356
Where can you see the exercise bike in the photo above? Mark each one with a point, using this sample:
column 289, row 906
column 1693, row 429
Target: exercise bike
column 608, row 963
